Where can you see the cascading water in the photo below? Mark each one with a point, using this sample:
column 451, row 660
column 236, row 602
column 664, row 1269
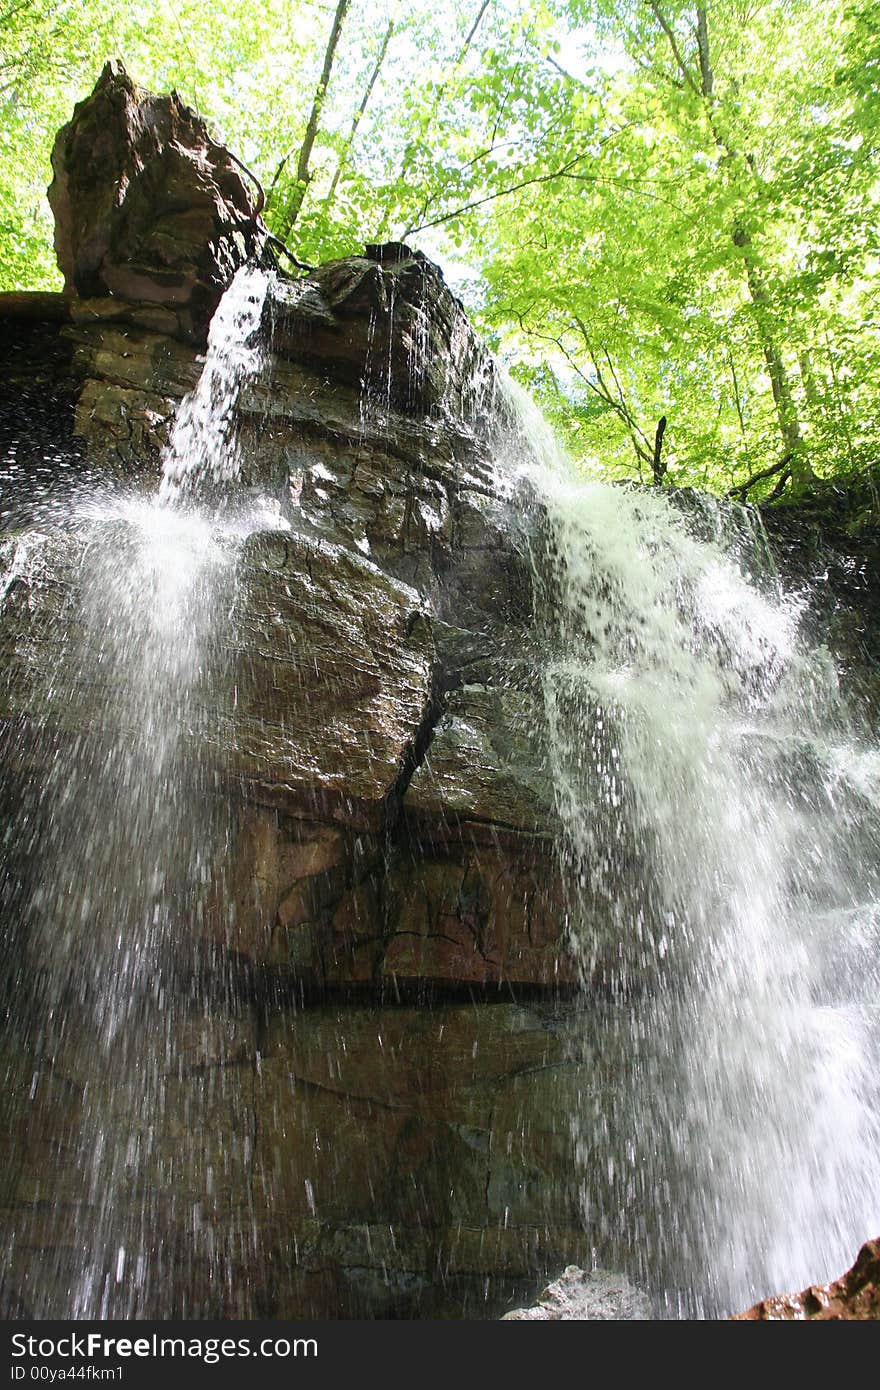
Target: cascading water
column 720, row 823
column 128, row 831
column 720, row 819
column 203, row 452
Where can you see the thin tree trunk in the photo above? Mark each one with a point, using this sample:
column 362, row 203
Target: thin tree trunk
column 301, row 182
column 780, row 385
column 707, row 77
column 377, row 67
column 808, row 377
column 842, row 410
column 736, row 396
column 658, row 464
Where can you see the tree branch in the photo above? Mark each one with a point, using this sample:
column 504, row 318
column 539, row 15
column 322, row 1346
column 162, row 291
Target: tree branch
column 707, row 77
column 658, row 465
column 303, row 175
column 673, row 44
column 782, row 466
column 360, row 111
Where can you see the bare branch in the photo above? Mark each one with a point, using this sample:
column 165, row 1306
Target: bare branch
column 570, row 77
column 360, row 111
column 658, row 464
column 782, row 466
column 472, row 31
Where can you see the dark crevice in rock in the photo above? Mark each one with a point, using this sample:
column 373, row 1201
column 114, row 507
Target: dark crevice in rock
column 413, row 759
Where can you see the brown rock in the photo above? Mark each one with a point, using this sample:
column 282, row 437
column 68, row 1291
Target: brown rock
column 332, row 676
column 855, row 1297
column 581, row 1295
column 387, row 321
column 147, row 206
column 481, row 916
column 485, row 764
column 326, row 682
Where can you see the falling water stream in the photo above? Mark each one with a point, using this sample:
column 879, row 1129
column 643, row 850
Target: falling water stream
column 720, row 814
column 720, row 821
column 129, row 830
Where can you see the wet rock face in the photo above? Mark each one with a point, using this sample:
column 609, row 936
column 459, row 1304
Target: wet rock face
column 377, row 691
column 343, row 1161
column 340, row 1129
column 147, row 206
column 855, row 1297
column 386, row 323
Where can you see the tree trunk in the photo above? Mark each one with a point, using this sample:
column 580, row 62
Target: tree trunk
column 298, row 192
column 786, row 413
column 780, row 385
column 658, row 465
column 377, row 67
column 707, row 77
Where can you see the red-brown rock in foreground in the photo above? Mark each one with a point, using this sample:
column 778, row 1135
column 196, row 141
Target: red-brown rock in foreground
column 854, row 1297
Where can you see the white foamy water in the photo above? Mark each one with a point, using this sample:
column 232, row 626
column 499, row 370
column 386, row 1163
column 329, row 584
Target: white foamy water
column 202, row 452
column 721, row 837
column 126, row 826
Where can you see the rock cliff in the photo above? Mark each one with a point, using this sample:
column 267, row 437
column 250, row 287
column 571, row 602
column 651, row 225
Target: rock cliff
column 394, row 817
column 372, row 733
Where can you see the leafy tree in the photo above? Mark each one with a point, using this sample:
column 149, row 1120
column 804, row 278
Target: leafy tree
column 714, row 250
column 664, row 211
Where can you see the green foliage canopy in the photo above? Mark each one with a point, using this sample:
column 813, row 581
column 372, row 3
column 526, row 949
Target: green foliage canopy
column 654, row 208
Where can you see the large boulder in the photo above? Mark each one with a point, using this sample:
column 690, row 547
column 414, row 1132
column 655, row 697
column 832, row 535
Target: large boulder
column 148, row 207
column 386, row 323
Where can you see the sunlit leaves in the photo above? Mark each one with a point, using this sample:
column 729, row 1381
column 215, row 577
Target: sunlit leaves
column 601, row 209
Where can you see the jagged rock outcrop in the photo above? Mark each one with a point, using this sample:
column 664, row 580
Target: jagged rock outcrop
column 370, row 726
column 855, row 1297
column 148, row 207
column 386, row 324
column 385, row 700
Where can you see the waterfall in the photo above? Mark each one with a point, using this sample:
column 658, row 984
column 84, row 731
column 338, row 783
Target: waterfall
column 126, row 828
column 719, row 806
column 202, row 453
column 717, row 802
